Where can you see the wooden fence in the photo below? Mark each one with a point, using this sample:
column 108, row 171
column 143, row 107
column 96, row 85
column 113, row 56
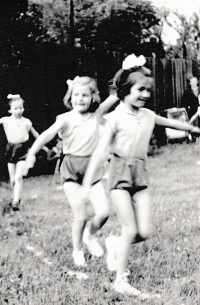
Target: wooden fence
column 42, row 82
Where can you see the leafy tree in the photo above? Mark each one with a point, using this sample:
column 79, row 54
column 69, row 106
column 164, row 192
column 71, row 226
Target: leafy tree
column 115, row 25
column 188, row 42
column 16, row 32
column 190, row 36
column 53, row 17
column 128, row 27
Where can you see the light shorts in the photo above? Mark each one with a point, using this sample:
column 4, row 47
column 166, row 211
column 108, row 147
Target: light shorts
column 73, row 169
column 127, row 174
column 16, row 152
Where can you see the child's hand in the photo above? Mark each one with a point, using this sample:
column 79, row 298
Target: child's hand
column 30, row 160
column 53, row 153
column 45, row 149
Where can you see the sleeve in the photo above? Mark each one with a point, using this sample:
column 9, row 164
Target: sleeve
column 58, row 117
column 63, row 119
column 3, row 120
column 112, row 119
column 29, row 124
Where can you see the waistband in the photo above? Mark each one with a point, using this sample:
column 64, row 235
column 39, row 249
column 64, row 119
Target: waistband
column 133, row 159
column 20, row 143
column 74, row 156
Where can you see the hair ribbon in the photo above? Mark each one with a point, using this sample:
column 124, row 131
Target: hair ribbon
column 133, row 61
column 11, row 96
column 71, row 82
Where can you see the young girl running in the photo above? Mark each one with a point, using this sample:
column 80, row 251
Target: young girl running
column 79, row 130
column 129, row 128
column 17, row 130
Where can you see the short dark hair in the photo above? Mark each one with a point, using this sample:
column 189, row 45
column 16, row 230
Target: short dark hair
column 125, row 79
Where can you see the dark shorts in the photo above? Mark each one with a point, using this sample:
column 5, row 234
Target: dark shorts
column 73, row 169
column 127, row 174
column 16, row 152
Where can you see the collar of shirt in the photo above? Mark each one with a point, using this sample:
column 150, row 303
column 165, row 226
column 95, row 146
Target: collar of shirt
column 81, row 116
column 123, row 108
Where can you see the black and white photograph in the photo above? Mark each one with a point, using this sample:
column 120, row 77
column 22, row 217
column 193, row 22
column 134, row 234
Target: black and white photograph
column 99, row 152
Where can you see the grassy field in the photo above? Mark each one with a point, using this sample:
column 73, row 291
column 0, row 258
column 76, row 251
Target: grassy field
column 36, row 266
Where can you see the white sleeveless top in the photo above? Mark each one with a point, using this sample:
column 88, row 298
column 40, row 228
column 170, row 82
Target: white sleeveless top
column 80, row 135
column 131, row 133
column 16, row 130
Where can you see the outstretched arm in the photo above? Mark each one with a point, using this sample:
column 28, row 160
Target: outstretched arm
column 98, row 156
column 44, row 138
column 34, row 132
column 108, row 103
column 174, row 124
column 36, row 135
column 194, row 117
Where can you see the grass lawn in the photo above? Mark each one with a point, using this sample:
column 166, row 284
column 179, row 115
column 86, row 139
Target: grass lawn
column 36, row 247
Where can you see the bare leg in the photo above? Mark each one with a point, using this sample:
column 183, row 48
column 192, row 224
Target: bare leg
column 134, row 217
column 125, row 212
column 100, row 205
column 79, row 212
column 18, row 181
column 11, row 171
column 143, row 214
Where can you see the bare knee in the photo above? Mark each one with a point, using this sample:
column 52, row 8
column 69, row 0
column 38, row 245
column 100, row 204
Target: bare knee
column 129, row 233
column 79, row 215
column 80, row 221
column 103, row 215
column 18, row 179
column 12, row 181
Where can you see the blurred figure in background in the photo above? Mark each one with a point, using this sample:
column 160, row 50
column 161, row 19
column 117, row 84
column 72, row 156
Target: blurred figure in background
column 191, row 98
column 17, row 129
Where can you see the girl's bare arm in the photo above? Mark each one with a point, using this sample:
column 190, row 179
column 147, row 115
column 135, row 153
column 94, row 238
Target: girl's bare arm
column 174, row 124
column 46, row 136
column 108, row 103
column 194, row 117
column 98, row 155
column 34, row 132
column 36, row 135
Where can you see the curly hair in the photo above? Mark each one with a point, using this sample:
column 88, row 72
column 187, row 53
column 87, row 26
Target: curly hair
column 85, row 81
column 125, row 79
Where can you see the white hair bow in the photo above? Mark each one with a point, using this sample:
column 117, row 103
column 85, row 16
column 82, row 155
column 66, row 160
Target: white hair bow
column 11, row 96
column 132, row 61
column 70, row 82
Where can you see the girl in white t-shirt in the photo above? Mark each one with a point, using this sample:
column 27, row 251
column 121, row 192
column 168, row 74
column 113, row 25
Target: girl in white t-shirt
column 79, row 130
column 17, row 130
column 129, row 129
